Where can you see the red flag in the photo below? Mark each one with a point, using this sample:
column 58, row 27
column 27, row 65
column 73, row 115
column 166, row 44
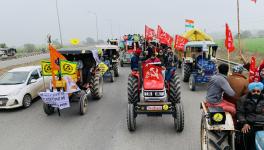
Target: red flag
column 54, row 56
column 229, row 43
column 253, row 71
column 180, row 42
column 255, row 1
column 164, row 38
column 149, row 33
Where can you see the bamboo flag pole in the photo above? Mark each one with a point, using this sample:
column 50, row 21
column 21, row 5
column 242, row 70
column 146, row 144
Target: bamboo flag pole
column 238, row 26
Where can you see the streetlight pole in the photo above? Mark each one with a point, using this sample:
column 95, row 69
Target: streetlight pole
column 96, row 23
column 111, row 28
column 58, row 17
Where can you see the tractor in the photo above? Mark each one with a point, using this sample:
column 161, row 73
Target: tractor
column 87, row 78
column 199, row 62
column 111, row 59
column 149, row 93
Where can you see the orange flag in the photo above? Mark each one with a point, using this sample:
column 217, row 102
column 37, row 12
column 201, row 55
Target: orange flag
column 54, row 57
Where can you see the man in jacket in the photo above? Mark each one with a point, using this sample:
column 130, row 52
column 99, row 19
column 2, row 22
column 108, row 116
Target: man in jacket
column 250, row 110
column 238, row 82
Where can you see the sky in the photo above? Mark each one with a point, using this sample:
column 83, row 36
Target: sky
column 29, row 21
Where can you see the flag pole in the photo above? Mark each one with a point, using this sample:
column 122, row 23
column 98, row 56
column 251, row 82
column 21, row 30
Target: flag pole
column 228, row 59
column 238, row 26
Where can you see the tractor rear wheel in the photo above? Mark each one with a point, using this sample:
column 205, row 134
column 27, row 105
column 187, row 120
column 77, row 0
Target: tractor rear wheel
column 186, row 72
column 175, row 89
column 97, row 86
column 132, row 89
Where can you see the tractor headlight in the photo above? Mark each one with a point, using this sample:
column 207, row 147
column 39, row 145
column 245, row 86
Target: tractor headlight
column 218, row 117
column 148, row 94
column 160, row 94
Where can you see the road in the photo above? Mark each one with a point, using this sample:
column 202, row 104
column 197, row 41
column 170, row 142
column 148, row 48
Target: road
column 23, row 60
column 103, row 127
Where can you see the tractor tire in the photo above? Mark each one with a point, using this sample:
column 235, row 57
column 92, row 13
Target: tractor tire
column 121, row 63
column 186, row 72
column 132, row 89
column 131, row 118
column 175, row 89
column 83, row 103
column 179, row 117
column 192, row 84
column 97, row 86
column 116, row 70
column 112, row 78
column 212, row 139
column 48, row 109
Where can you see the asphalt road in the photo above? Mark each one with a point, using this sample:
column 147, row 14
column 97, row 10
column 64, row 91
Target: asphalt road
column 103, row 127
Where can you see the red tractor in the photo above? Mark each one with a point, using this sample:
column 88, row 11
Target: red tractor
column 149, row 93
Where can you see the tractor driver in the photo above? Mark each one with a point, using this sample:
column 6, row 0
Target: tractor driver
column 250, row 109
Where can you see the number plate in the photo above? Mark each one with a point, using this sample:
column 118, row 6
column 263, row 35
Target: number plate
column 154, row 107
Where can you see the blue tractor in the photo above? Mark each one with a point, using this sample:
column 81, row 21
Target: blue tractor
column 199, row 62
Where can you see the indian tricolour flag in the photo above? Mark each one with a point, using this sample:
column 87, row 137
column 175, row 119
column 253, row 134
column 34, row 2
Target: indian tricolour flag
column 189, row 23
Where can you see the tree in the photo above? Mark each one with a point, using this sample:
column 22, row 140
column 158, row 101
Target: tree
column 260, row 33
column 29, row 48
column 100, row 42
column 244, row 34
column 3, row 45
column 89, row 41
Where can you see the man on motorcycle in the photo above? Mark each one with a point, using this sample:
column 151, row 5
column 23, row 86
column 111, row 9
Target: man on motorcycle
column 250, row 110
column 238, row 82
column 216, row 87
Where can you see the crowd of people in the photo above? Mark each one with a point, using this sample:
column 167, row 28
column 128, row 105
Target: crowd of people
column 243, row 100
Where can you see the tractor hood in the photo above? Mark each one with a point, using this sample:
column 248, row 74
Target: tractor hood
column 152, row 77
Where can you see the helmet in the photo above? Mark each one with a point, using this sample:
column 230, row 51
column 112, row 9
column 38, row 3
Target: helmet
column 238, row 69
column 100, row 52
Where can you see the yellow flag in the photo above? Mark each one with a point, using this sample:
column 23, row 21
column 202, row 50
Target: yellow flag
column 46, row 68
column 75, row 41
column 68, row 67
column 103, row 68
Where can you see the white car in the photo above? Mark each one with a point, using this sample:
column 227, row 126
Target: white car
column 19, row 86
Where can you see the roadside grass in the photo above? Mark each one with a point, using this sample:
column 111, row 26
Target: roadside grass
column 250, row 47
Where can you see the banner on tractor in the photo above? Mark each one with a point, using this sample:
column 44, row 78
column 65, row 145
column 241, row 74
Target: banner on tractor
column 152, row 72
column 56, row 99
column 68, row 67
column 46, row 68
column 103, row 68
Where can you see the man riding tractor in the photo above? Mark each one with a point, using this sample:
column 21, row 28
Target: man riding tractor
column 148, row 93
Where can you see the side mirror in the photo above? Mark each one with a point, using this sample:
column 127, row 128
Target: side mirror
column 33, row 81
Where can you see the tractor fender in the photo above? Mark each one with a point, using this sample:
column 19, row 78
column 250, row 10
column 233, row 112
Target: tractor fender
column 229, row 125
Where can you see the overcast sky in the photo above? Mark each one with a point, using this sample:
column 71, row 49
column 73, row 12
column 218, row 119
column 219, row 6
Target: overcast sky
column 29, row 21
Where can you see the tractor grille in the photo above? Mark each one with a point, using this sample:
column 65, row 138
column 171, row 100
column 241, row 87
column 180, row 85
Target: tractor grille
column 3, row 101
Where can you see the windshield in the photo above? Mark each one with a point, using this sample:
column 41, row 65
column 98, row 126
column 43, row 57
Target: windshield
column 11, row 78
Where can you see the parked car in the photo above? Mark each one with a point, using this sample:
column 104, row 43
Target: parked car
column 19, row 86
